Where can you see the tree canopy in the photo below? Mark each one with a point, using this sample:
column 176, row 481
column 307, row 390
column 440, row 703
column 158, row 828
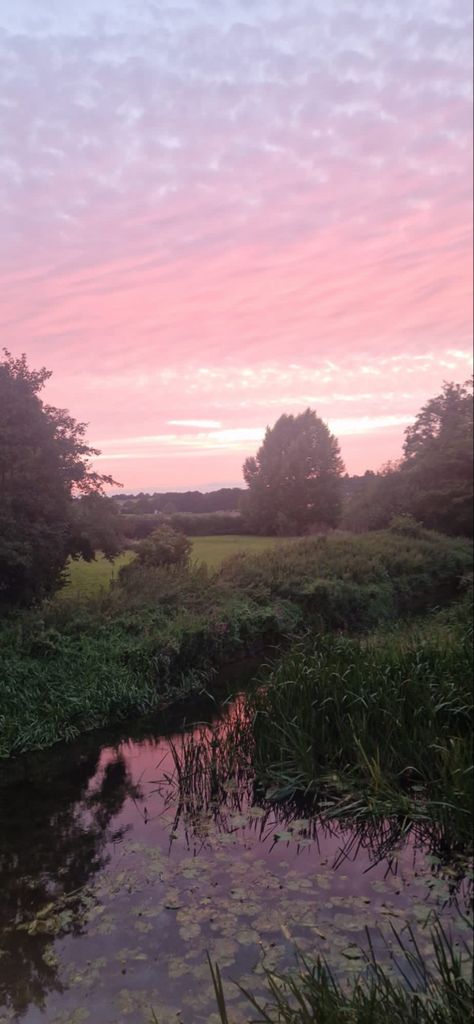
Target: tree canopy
column 45, row 463
column 294, row 479
column 433, row 482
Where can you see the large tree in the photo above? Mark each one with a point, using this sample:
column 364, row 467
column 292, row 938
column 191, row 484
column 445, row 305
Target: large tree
column 45, row 464
column 433, row 482
column 294, row 479
column 438, row 458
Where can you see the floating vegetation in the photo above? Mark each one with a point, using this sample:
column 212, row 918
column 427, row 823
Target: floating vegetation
column 304, row 840
column 154, row 854
column 441, row 993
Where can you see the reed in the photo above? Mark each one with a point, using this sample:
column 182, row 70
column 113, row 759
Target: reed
column 413, row 994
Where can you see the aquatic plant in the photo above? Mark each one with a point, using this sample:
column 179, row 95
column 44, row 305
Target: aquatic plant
column 379, row 726
column 421, row 994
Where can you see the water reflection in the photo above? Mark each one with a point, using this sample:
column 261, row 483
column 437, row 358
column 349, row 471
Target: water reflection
column 55, row 832
column 137, row 854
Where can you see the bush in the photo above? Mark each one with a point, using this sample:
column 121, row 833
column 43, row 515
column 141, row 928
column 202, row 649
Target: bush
column 210, row 524
column 164, row 547
column 354, row 582
column 81, row 663
column 405, row 525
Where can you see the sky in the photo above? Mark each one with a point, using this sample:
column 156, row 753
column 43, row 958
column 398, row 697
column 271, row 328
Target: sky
column 216, row 211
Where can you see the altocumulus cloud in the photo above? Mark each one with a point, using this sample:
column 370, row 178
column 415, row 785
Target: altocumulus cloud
column 215, row 212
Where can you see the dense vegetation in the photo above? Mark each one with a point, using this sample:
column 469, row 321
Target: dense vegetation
column 434, row 480
column 224, row 499
column 347, row 582
column 44, row 463
column 78, row 663
column 379, row 725
column 366, row 714
column 193, row 524
column 418, row 994
column 52, row 505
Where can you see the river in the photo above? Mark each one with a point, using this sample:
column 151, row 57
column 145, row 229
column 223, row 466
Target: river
column 127, row 857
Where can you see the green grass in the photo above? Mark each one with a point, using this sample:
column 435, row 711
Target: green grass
column 214, row 550
column 378, row 725
column 90, row 578
column 98, row 654
column 368, row 730
column 409, row 993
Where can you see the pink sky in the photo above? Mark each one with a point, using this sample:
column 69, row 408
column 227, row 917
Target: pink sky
column 217, row 212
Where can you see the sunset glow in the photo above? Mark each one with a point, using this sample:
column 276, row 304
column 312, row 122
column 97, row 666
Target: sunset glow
column 221, row 211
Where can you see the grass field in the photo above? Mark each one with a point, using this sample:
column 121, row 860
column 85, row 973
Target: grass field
column 90, row 577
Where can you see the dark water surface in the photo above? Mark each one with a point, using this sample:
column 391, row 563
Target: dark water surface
column 124, row 860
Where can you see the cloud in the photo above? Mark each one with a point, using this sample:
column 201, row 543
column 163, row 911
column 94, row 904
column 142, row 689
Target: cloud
column 202, row 195
column 194, row 423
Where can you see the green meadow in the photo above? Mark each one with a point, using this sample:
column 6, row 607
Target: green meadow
column 92, row 577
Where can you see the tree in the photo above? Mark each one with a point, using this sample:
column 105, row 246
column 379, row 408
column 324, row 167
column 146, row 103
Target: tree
column 433, row 482
column 97, row 526
column 294, row 479
column 438, row 454
column 44, row 466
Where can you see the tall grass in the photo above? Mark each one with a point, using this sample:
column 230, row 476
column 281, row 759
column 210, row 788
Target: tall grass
column 379, row 725
column 84, row 666
column 81, row 662
column 442, row 994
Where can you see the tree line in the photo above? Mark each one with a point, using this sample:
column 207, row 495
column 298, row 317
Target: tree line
column 53, row 505
column 224, row 499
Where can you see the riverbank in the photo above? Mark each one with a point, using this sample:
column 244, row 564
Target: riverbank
column 81, row 663
column 143, row 864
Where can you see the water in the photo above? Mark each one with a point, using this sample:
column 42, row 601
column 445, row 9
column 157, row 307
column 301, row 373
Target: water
column 125, row 859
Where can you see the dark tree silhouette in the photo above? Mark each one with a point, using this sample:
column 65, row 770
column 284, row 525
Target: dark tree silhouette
column 45, row 463
column 294, row 480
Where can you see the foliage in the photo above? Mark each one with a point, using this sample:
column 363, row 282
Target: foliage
column 353, row 583
column 199, row 524
column 381, row 498
column 382, row 726
column 210, row 524
column 294, row 480
column 131, row 652
column 134, row 647
column 164, row 550
column 406, row 525
column 418, row 994
column 96, row 526
column 44, row 462
column 434, row 480
column 438, row 461
column 225, row 499
column 164, row 547
column 96, row 576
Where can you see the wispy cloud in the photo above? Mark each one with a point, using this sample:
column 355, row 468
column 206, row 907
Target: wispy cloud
column 194, row 423
column 217, row 212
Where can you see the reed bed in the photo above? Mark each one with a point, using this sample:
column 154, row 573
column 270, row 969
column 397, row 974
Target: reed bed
column 413, row 994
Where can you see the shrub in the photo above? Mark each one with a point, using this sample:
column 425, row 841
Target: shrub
column 405, row 525
column 164, row 547
column 356, row 581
